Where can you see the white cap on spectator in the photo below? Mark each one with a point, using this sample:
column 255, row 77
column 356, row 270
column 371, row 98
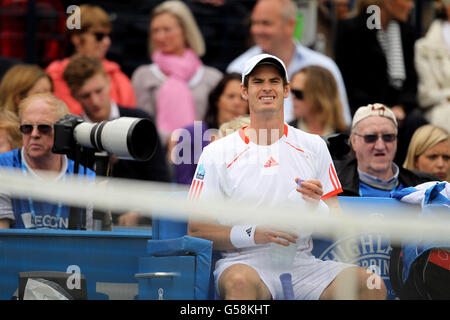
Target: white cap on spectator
column 370, row 110
column 264, row 59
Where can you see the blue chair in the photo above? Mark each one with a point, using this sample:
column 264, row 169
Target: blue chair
column 178, row 266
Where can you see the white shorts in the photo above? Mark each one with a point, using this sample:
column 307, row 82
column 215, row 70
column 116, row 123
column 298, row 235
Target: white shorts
column 310, row 276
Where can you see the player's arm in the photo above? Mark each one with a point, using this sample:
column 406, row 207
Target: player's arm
column 334, row 205
column 327, row 186
column 206, row 185
column 228, row 238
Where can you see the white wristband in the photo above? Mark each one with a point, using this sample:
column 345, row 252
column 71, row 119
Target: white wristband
column 243, row 236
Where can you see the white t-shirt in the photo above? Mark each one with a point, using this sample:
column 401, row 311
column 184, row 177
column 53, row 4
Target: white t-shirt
column 234, row 168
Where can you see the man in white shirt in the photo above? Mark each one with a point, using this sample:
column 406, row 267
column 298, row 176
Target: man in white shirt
column 264, row 163
column 272, row 28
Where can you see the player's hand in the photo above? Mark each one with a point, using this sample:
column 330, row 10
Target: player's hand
column 311, row 190
column 266, row 234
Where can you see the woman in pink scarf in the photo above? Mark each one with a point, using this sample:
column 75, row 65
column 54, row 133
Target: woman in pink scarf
column 175, row 87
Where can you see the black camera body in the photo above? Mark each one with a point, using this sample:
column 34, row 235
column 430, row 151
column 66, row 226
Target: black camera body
column 64, row 141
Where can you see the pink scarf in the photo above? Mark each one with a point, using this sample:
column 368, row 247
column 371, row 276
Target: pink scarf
column 175, row 104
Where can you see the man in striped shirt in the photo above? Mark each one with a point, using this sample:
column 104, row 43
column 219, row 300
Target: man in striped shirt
column 269, row 163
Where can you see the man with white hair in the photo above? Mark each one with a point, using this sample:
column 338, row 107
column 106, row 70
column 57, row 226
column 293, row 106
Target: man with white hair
column 37, row 115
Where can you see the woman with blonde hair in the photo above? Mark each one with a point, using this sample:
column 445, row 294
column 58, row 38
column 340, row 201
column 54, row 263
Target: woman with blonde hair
column 175, row 87
column 317, row 106
column 429, row 151
column 10, row 137
column 21, row 81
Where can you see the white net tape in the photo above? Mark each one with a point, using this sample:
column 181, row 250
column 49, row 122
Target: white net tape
column 164, row 200
column 170, row 201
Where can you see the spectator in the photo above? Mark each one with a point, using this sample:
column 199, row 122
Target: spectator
column 92, row 39
column 317, row 107
column 377, row 62
column 9, row 131
column 373, row 172
column 37, row 114
column 90, row 86
column 175, row 87
column 225, row 103
column 429, row 151
column 272, row 29
column 21, row 81
column 433, row 68
column 243, row 167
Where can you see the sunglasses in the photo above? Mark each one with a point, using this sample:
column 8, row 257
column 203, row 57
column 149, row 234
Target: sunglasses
column 42, row 128
column 100, row 35
column 297, row 93
column 372, row 138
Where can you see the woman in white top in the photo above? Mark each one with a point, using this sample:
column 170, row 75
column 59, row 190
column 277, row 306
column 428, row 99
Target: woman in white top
column 175, row 87
column 433, row 68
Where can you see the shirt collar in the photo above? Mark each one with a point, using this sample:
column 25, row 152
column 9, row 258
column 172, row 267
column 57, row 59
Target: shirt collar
column 61, row 173
column 377, row 182
column 247, row 139
column 113, row 113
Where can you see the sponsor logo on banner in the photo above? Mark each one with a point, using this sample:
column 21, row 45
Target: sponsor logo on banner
column 370, row 251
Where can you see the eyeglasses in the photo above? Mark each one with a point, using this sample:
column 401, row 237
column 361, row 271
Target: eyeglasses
column 297, row 93
column 372, row 138
column 100, row 35
column 42, row 128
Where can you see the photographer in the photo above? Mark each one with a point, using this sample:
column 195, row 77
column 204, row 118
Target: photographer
column 37, row 115
column 90, row 86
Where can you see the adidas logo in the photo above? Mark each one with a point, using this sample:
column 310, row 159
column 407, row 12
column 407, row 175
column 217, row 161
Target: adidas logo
column 271, row 163
column 249, row 231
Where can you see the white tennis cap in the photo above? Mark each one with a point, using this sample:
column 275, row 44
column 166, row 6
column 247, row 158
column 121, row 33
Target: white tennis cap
column 264, row 59
column 377, row 109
